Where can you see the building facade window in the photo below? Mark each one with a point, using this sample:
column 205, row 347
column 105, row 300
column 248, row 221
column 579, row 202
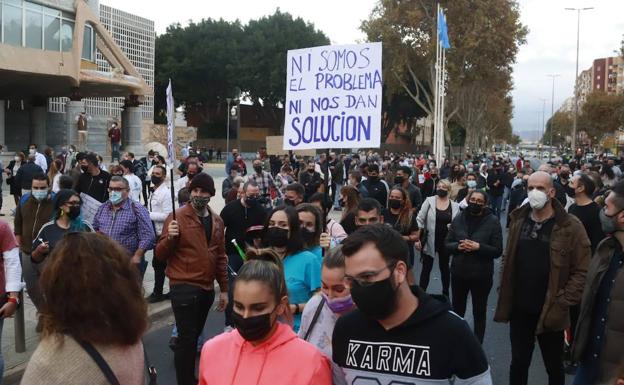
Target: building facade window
column 67, row 35
column 52, row 32
column 88, row 44
column 34, row 28
column 12, row 24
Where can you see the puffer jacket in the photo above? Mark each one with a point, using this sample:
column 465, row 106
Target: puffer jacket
column 570, row 252
column 612, row 353
column 488, row 234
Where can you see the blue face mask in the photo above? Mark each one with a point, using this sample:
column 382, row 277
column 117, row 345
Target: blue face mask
column 471, row 183
column 40, row 194
column 115, row 197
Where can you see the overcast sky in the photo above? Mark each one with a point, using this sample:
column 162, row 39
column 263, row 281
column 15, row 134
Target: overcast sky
column 550, row 48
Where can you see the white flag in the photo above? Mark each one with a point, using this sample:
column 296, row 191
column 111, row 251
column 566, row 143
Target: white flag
column 170, row 125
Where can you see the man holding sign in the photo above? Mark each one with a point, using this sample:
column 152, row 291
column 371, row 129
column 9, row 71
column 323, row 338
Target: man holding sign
column 333, row 97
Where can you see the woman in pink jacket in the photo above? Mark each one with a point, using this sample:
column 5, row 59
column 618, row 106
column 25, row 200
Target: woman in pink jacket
column 261, row 350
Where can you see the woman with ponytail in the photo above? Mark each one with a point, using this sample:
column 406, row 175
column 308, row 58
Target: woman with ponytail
column 66, row 218
column 261, row 350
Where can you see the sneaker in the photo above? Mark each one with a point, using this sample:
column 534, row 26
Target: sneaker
column 154, row 298
column 166, row 297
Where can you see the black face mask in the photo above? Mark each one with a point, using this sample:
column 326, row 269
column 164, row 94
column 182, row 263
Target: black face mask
column 398, row 180
column 84, row 168
column 252, row 201
column 394, row 203
column 274, row 236
column 190, row 176
column 373, row 179
column 570, row 191
column 74, row 212
column 308, row 236
column 289, row 202
column 474, row 209
column 253, row 328
column 376, row 301
column 258, row 169
column 156, row 180
column 434, row 176
column 311, row 170
column 441, row 193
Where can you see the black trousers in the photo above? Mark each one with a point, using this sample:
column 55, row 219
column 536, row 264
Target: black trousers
column 145, row 192
column 445, row 271
column 190, row 308
column 522, row 334
column 479, row 289
column 159, row 275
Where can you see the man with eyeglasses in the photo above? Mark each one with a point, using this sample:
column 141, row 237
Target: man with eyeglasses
column 397, row 333
column 239, row 216
column 543, row 275
column 127, row 222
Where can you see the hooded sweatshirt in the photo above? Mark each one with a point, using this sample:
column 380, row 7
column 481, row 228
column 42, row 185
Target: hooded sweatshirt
column 433, row 346
column 284, row 359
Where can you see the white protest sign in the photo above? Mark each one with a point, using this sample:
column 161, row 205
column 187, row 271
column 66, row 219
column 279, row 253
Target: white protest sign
column 89, row 208
column 333, row 97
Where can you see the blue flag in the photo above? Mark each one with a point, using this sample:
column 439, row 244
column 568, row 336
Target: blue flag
column 443, row 31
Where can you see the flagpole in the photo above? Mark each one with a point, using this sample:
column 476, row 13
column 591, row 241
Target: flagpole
column 442, row 100
column 171, row 141
column 436, row 89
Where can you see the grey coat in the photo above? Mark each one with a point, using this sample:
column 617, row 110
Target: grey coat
column 427, row 220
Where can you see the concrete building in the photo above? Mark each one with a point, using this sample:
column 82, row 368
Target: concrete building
column 59, row 58
column 608, row 75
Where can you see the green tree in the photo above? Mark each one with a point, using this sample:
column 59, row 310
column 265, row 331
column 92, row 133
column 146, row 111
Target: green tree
column 561, row 126
column 262, row 65
column 602, row 113
column 483, row 50
column 212, row 60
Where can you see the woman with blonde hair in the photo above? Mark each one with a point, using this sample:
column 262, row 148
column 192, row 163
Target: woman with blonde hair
column 434, row 218
column 94, row 309
column 54, row 174
column 261, row 348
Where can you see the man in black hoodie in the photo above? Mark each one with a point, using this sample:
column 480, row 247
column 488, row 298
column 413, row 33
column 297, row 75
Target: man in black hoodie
column 399, row 334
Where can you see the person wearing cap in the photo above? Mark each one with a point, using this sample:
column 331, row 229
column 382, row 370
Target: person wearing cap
column 65, row 219
column 194, row 247
column 238, row 216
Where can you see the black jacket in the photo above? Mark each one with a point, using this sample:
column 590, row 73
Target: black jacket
column 495, row 183
column 432, row 345
column 429, row 188
column 517, row 195
column 487, row 232
column 24, row 175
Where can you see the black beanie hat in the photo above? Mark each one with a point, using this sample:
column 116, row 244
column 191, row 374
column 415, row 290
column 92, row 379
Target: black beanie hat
column 204, row 181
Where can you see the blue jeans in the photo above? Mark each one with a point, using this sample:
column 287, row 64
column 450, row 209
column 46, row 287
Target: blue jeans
column 506, row 194
column 495, row 203
column 115, row 151
column 1, row 358
column 586, row 374
column 337, row 187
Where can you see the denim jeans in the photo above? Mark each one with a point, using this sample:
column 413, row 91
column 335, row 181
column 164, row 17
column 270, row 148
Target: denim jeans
column 495, row 203
column 31, row 273
column 337, row 188
column 115, row 151
column 586, row 374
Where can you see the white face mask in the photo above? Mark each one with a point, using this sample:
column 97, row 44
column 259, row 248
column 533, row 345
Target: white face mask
column 537, row 199
column 32, row 151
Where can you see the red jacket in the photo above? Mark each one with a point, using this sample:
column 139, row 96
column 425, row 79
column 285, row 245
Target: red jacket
column 115, row 135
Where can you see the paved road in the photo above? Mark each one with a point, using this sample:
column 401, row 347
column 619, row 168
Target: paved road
column 496, row 345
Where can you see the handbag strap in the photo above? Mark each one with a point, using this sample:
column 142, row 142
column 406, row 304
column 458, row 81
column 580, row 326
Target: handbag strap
column 100, row 361
column 317, row 313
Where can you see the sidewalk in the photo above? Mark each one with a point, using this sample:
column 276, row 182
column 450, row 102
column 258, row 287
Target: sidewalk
column 15, row 363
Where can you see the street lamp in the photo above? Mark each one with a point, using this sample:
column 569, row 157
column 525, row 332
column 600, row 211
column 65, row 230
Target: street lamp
column 227, row 140
column 578, row 31
column 552, row 112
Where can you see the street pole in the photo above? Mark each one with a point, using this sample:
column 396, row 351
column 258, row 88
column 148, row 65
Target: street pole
column 578, row 36
column 227, row 131
column 552, row 112
column 543, row 125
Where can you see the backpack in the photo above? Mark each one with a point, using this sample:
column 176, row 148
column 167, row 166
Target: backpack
column 140, row 169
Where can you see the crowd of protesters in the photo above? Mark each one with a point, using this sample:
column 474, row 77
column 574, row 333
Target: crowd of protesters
column 335, row 290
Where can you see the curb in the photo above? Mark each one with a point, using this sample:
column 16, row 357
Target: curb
column 14, row 374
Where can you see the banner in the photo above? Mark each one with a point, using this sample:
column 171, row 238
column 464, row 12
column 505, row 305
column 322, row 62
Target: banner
column 274, row 147
column 89, row 207
column 170, row 126
column 333, row 97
